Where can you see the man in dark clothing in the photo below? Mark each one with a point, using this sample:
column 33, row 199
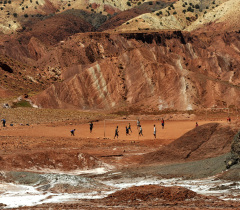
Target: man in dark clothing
column 72, row 132
column 4, row 122
column 116, row 132
column 127, row 131
column 129, row 128
column 91, row 127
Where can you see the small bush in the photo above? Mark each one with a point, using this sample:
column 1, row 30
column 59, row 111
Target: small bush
column 22, row 103
column 129, row 3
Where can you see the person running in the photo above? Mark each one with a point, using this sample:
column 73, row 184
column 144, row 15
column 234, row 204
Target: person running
column 129, row 127
column 140, row 131
column 154, row 131
column 127, row 131
column 4, row 122
column 91, row 126
column 73, row 132
column 162, row 121
column 116, row 132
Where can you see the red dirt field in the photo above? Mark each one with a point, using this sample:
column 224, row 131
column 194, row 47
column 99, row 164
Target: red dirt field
column 50, row 148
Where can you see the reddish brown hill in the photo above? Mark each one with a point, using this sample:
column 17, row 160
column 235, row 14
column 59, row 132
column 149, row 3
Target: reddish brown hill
column 54, row 29
column 151, row 71
column 120, row 18
column 123, row 16
column 207, row 141
column 17, row 78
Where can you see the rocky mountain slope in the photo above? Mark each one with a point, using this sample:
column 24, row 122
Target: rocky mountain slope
column 146, row 69
column 150, row 71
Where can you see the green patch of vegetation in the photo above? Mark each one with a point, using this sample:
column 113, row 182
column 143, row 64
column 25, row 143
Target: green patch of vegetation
column 22, row 103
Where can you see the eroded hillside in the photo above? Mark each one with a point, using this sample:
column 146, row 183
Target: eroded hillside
column 148, row 71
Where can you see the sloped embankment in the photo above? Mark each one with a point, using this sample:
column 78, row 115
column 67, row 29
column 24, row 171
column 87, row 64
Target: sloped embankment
column 55, row 160
column 207, row 141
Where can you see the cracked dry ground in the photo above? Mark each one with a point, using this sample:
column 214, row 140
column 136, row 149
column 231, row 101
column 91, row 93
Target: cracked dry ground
column 180, row 150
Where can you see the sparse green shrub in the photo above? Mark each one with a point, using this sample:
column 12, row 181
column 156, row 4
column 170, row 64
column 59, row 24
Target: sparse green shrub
column 25, row 15
column 197, row 6
column 139, row 3
column 150, row 3
column 188, row 18
column 207, row 7
column 36, row 2
column 174, row 12
column 22, row 103
column 129, row 3
column 15, row 15
column 184, row 5
column 184, row 11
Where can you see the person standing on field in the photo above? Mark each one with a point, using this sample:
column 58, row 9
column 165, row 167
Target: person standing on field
column 4, row 122
column 129, row 127
column 127, row 131
column 140, row 131
column 154, row 131
column 162, row 121
column 138, row 123
column 116, row 132
column 91, row 126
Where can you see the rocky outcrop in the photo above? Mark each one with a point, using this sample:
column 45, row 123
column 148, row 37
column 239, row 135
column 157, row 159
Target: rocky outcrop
column 234, row 157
